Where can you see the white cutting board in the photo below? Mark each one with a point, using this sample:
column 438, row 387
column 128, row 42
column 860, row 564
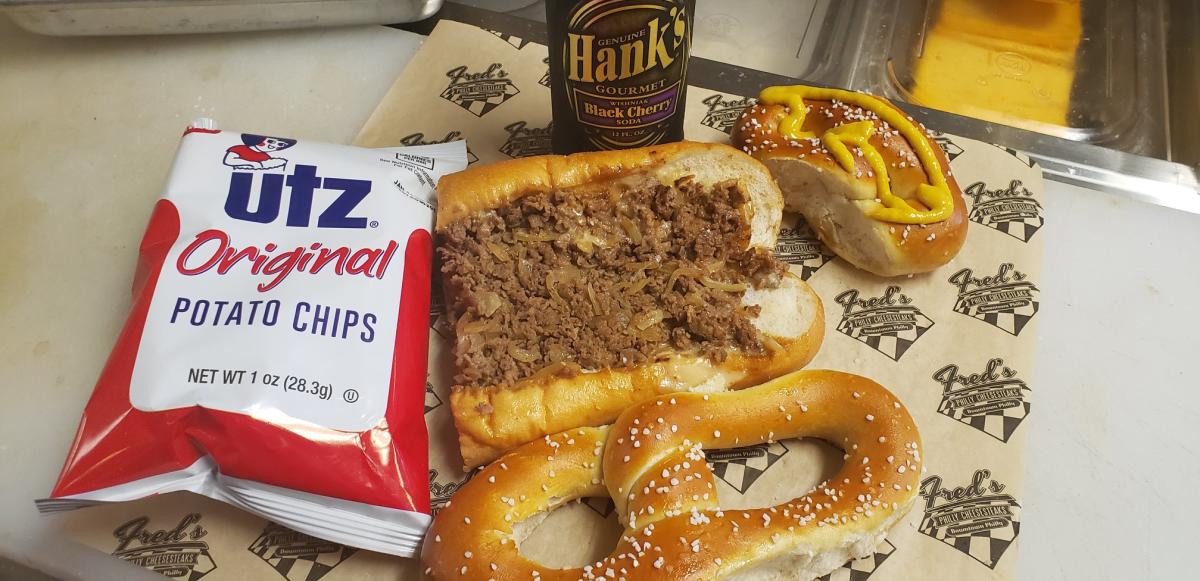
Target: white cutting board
column 89, row 128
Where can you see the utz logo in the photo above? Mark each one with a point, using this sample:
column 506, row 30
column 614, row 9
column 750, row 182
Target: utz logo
column 545, row 80
column 419, row 139
column 889, row 324
column 479, row 92
column 861, row 569
column 741, row 467
column 515, row 41
column 177, row 552
column 723, row 113
column 1005, row 300
column 1011, row 210
column 297, row 556
column 800, row 246
column 993, row 401
column 524, row 140
column 301, row 185
column 255, row 152
column 951, row 149
column 977, row 519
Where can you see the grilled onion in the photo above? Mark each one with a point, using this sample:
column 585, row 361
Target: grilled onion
column 640, row 266
column 637, row 285
column 523, row 355
column 476, row 327
column 648, row 319
column 682, row 271
column 557, row 368
column 732, row 287
column 498, row 251
column 631, row 230
column 526, row 236
column 592, row 298
column 555, row 354
column 587, row 243
column 771, row 344
column 489, row 303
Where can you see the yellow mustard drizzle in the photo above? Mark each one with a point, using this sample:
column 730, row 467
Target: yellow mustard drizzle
column 892, row 208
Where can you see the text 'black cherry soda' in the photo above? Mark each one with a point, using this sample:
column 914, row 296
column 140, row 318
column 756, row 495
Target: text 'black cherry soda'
column 618, row 72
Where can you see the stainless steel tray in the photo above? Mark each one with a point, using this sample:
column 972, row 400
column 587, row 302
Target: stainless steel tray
column 122, row 17
column 1132, row 132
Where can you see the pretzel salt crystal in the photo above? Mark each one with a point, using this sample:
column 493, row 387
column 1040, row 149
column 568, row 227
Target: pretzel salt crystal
column 651, row 462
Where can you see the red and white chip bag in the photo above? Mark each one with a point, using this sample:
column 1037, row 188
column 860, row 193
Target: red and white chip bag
column 275, row 354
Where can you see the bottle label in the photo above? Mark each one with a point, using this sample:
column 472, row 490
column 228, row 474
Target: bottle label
column 624, row 63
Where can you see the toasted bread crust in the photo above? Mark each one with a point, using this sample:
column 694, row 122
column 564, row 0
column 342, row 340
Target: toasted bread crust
column 494, row 419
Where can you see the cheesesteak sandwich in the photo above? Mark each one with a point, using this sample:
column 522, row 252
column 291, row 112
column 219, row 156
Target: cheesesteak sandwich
column 582, row 285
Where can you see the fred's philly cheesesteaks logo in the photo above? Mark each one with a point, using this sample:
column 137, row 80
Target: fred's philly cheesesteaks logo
column 993, row 401
column 951, row 149
column 1021, row 157
column 177, row 552
column 1005, row 299
column 740, row 467
column 978, row 519
column 479, row 91
column 432, row 401
column 545, row 80
column 723, row 113
column 799, row 245
column 442, row 488
column 1011, row 210
column 439, row 322
column 515, row 41
column 524, row 140
column 297, row 556
column 419, row 139
column 861, row 569
column 889, row 324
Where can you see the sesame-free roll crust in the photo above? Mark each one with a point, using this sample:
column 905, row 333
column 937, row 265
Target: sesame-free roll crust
column 536, row 407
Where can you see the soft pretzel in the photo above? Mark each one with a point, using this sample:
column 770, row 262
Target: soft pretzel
column 651, row 462
column 482, row 208
column 826, row 147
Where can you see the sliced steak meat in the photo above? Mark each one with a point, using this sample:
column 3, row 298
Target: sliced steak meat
column 573, row 280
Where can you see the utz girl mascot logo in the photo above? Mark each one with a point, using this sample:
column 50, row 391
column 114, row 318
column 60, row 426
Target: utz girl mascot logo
column 255, row 152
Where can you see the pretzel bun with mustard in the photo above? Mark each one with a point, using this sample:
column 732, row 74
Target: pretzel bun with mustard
column 874, row 185
column 582, row 285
